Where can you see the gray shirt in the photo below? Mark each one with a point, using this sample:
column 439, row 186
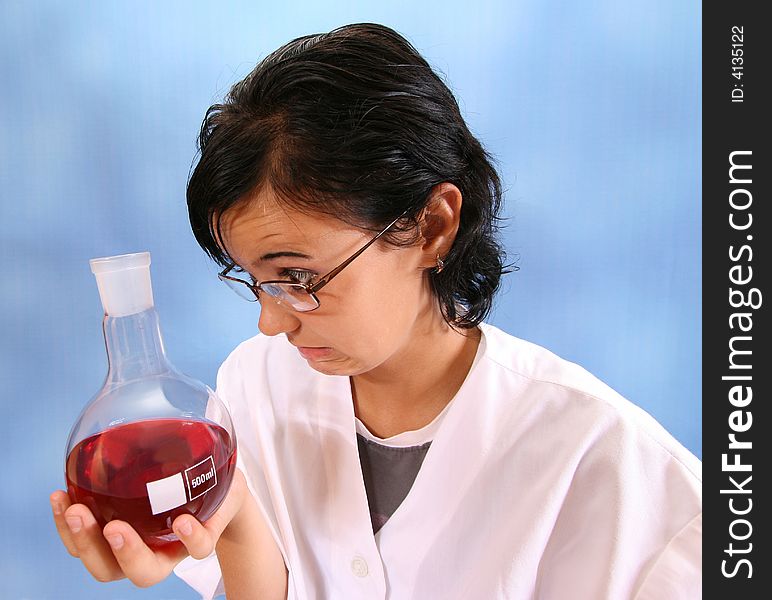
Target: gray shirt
column 388, row 474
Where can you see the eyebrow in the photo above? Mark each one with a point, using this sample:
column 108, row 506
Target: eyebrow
column 272, row 255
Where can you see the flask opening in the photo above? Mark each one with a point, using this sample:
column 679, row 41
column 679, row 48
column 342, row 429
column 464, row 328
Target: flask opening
column 124, row 283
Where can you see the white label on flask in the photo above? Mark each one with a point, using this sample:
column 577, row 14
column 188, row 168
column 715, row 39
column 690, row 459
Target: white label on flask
column 201, row 478
column 167, row 493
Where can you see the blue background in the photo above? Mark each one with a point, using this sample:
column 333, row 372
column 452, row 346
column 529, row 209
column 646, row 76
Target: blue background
column 593, row 110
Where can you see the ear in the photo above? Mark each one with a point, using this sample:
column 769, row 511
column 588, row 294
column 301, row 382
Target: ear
column 439, row 222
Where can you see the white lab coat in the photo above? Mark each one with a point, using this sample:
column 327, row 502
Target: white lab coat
column 541, row 482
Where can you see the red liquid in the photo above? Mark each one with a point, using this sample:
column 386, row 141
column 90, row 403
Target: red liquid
column 108, row 472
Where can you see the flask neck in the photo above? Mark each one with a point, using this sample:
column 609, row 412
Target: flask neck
column 135, row 349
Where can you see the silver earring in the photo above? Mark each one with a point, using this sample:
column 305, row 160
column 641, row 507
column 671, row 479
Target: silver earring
column 440, row 265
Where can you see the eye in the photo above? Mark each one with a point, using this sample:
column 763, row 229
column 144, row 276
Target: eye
column 242, row 274
column 298, row 275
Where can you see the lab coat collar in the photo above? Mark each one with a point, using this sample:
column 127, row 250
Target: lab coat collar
column 447, row 471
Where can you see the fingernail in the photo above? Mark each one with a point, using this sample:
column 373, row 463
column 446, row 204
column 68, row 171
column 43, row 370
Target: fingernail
column 74, row 523
column 185, row 528
column 116, row 541
column 57, row 507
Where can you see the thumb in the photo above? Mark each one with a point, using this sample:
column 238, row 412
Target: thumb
column 201, row 539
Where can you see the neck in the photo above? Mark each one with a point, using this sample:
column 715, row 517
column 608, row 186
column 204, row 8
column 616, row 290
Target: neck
column 410, row 389
column 134, row 347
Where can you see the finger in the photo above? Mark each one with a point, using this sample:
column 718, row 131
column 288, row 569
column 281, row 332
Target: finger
column 91, row 547
column 60, row 502
column 143, row 565
column 201, row 539
column 217, row 523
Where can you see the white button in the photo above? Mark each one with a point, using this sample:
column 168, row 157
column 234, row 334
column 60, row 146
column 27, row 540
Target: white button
column 359, row 566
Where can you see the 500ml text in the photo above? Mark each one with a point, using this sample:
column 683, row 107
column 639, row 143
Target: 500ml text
column 203, row 478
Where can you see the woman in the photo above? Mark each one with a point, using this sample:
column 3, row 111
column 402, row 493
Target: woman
column 392, row 444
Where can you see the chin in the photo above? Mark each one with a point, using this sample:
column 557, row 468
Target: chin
column 341, row 367
column 332, row 367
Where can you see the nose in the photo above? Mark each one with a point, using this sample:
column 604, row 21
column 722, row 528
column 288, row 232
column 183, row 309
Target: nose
column 276, row 318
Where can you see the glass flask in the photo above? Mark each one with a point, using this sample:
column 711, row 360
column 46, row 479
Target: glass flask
column 152, row 444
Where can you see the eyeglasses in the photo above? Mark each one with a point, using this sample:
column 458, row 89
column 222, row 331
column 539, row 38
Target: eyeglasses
column 299, row 296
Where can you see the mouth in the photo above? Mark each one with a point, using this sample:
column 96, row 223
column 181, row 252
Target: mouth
column 312, row 352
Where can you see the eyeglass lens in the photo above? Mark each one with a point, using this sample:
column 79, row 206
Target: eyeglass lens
column 294, row 295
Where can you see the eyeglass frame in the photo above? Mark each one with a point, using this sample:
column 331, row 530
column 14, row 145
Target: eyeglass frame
column 310, row 289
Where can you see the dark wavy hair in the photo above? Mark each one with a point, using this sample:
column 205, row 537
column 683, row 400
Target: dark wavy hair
column 354, row 124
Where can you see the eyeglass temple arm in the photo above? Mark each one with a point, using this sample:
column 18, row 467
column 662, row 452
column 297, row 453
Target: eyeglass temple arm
column 328, row 277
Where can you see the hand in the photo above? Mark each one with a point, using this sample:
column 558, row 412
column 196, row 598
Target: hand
column 118, row 551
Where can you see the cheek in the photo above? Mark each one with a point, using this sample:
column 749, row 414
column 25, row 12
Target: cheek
column 365, row 318
column 379, row 309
